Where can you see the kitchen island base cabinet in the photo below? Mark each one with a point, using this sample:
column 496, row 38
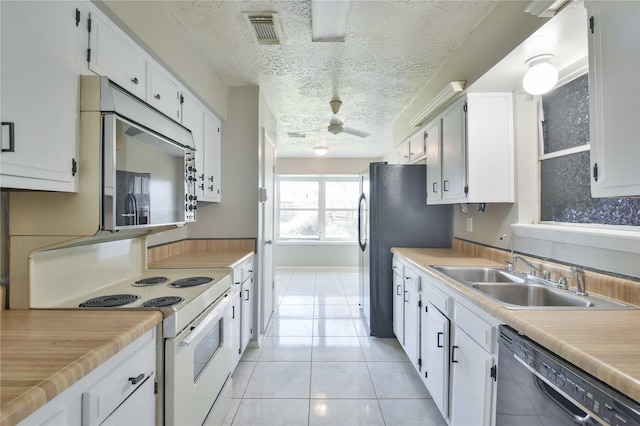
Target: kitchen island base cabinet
column 120, row 391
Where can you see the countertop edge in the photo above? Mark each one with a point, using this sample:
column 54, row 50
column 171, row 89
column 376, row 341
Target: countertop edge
column 37, row 396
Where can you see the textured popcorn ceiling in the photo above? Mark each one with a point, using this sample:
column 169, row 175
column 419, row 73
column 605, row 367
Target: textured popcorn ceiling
column 392, row 49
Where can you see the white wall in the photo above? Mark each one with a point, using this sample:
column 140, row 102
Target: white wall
column 236, row 216
column 290, row 254
column 504, row 28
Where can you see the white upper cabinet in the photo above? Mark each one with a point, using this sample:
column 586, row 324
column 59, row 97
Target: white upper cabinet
column 163, row 93
column 454, row 171
column 212, row 163
column 476, row 151
column 114, row 55
column 434, row 171
column 412, row 149
column 193, row 119
column 614, row 101
column 43, row 54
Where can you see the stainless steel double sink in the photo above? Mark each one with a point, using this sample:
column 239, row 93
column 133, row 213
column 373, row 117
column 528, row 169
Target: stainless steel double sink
column 514, row 290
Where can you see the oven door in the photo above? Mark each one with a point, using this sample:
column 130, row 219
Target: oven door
column 197, row 365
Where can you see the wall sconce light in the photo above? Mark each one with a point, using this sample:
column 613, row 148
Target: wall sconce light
column 321, row 150
column 541, row 76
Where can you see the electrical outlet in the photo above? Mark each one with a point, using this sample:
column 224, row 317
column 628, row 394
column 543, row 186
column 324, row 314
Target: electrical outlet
column 469, row 224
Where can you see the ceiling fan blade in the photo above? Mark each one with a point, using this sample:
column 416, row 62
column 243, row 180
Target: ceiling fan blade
column 355, row 132
column 303, row 134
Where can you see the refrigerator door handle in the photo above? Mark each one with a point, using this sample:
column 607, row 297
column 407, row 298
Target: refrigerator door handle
column 361, row 242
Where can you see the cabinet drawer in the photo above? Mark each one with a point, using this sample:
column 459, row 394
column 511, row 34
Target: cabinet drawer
column 479, row 330
column 437, row 298
column 247, row 271
column 412, row 278
column 129, row 376
column 397, row 266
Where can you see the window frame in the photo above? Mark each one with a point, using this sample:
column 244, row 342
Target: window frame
column 321, row 210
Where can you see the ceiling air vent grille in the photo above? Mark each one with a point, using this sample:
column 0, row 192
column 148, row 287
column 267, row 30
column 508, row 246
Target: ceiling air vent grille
column 265, row 27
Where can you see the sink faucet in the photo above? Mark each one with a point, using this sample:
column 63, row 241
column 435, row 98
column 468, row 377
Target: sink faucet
column 580, row 279
column 509, row 264
column 532, row 269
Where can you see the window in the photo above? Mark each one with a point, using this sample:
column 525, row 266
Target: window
column 565, row 182
column 318, row 208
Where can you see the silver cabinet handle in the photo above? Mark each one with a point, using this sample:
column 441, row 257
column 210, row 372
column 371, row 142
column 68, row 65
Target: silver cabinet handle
column 268, row 242
column 435, row 187
column 247, row 295
column 157, row 96
column 398, row 290
column 445, row 186
column 134, row 80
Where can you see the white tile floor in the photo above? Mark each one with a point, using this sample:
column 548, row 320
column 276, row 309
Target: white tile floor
column 319, row 366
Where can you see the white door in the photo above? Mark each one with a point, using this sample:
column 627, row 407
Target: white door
column 268, row 217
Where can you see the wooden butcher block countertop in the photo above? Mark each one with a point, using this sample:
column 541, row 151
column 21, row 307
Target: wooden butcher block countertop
column 43, row 352
column 604, row 343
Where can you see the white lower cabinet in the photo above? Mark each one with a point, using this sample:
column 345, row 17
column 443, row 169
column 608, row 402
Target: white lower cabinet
column 452, row 343
column 406, row 310
column 434, row 350
column 120, row 391
column 471, row 382
column 398, row 300
column 247, row 311
column 236, row 326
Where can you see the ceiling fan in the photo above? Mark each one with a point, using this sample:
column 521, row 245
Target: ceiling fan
column 336, row 126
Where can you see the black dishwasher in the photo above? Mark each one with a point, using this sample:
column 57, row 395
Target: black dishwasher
column 536, row 387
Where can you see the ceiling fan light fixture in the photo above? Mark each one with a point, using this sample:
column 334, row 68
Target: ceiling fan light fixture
column 541, row 75
column 321, row 150
column 335, row 129
column 329, row 20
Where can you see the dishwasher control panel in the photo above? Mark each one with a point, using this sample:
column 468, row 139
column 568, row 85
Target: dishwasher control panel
column 599, row 400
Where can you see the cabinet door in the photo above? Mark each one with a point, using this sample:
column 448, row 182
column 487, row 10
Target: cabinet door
column 434, row 171
column 417, row 146
column 163, row 93
column 404, row 154
column 435, row 355
column 412, row 324
column 193, row 119
column 472, row 385
column 247, row 312
column 454, row 166
column 112, row 54
column 236, row 328
column 42, row 55
column 212, row 147
column 398, row 303
column 614, row 97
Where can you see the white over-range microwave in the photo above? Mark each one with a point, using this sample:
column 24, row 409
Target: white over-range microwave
column 147, row 164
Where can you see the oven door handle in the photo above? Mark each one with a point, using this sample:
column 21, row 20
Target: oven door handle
column 211, row 317
column 582, row 420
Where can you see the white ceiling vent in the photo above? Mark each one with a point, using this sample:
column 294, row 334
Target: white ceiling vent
column 265, row 27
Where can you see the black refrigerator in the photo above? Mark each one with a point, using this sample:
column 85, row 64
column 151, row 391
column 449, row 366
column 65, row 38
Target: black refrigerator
column 393, row 212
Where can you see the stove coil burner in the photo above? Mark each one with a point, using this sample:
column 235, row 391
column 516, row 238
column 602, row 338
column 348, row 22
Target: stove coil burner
column 162, row 302
column 191, row 282
column 150, row 281
column 109, row 301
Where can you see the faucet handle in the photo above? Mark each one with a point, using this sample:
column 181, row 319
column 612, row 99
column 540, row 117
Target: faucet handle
column 562, row 282
column 580, row 278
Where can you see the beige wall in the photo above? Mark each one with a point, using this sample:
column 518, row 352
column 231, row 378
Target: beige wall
column 236, row 216
column 151, row 24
